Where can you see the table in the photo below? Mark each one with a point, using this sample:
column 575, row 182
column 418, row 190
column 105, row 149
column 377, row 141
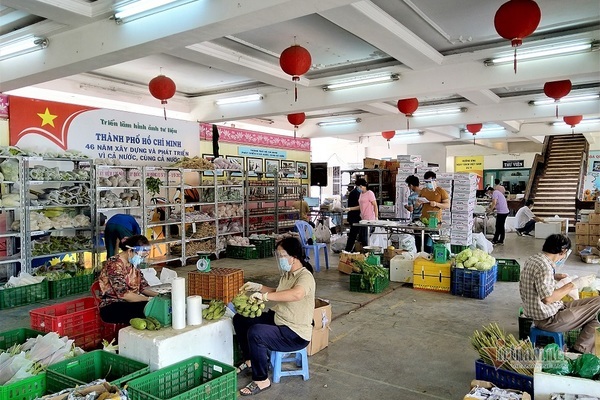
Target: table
column 392, row 227
column 158, row 349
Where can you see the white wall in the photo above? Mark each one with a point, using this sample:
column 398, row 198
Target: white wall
column 430, row 152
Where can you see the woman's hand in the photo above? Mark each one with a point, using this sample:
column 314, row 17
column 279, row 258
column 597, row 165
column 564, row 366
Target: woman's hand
column 251, row 287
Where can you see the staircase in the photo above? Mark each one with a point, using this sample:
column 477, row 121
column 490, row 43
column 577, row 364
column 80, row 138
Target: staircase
column 555, row 183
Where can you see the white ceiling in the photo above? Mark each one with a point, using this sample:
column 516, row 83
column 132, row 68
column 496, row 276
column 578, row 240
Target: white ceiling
column 214, row 49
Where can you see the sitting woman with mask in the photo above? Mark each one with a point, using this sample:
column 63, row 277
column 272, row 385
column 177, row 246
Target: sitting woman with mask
column 287, row 326
column 124, row 291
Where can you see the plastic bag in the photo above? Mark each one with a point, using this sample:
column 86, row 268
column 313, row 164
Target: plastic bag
column 379, row 238
column 586, row 365
column 10, row 169
column 407, row 242
column 337, row 205
column 482, row 243
column 554, row 361
column 322, row 233
column 338, row 243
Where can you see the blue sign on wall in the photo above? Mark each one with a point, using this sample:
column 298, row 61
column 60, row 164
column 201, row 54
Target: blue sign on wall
column 260, row 152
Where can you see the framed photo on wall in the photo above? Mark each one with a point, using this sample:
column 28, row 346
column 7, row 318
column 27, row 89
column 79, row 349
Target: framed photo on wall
column 302, row 168
column 285, row 164
column 305, row 192
column 210, row 157
column 254, row 165
column 240, row 161
column 271, row 167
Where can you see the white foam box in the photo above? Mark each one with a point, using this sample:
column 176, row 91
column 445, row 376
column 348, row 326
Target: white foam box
column 445, row 175
column 167, row 346
column 545, row 229
column 401, row 270
column 545, row 384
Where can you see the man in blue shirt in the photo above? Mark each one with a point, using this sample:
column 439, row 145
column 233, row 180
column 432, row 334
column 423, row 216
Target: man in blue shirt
column 119, row 227
column 413, row 206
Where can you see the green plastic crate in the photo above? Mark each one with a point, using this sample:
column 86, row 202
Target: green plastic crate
column 242, row 252
column 381, row 283
column 70, row 286
column 457, row 248
column 23, row 295
column 197, row 378
column 96, row 364
column 28, row 388
column 264, row 247
column 509, row 270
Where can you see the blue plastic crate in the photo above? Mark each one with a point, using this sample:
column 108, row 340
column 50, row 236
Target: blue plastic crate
column 503, row 378
column 473, row 284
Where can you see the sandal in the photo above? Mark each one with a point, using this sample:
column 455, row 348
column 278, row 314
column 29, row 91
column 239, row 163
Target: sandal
column 253, row 389
column 243, row 367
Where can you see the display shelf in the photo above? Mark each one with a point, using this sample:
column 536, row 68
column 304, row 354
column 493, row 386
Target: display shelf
column 60, row 253
column 10, row 234
column 163, row 259
column 10, row 259
column 376, row 185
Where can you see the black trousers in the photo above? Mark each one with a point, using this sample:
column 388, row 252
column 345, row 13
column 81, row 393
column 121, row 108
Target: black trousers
column 362, row 236
column 499, row 234
column 121, row 312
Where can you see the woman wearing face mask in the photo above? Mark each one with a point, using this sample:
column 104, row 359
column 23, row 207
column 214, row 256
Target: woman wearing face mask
column 542, row 300
column 287, row 326
column 124, row 290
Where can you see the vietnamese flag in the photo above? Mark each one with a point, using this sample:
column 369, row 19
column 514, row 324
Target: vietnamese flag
column 48, row 119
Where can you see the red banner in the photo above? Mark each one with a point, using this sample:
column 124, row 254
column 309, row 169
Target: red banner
column 242, row 136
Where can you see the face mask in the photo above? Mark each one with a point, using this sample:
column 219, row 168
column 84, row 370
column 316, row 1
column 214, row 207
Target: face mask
column 429, row 185
column 136, row 260
column 359, row 190
column 284, row 265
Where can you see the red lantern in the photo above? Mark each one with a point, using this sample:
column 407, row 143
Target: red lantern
column 388, row 135
column 162, row 88
column 517, row 19
column 572, row 120
column 408, row 107
column 474, row 128
column 295, row 61
column 557, row 90
column 296, row 120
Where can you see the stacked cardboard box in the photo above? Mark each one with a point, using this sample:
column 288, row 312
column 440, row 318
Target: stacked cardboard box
column 445, row 180
column 463, row 205
column 588, row 233
column 405, row 169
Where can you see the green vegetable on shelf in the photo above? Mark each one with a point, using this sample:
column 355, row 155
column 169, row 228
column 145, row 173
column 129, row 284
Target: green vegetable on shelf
column 153, row 185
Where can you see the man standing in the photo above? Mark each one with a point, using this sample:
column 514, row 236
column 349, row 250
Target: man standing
column 437, row 200
column 412, row 206
column 501, row 206
column 353, row 218
column 525, row 219
column 542, row 302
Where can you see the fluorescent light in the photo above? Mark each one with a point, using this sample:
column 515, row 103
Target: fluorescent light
column 340, row 122
column 239, row 99
column 23, row 45
column 439, row 111
column 362, row 82
column 143, row 8
column 583, row 122
column 407, row 135
column 540, row 53
column 568, row 99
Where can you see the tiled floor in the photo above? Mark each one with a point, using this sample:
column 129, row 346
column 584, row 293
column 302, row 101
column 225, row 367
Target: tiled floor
column 401, row 344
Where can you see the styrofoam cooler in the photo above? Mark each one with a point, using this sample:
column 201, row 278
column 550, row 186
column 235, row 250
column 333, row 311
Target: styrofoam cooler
column 401, row 270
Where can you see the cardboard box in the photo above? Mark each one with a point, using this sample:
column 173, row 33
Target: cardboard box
column 321, row 322
column 597, row 207
column 594, row 240
column 582, row 239
column 594, row 218
column 371, row 163
column 345, row 264
column 490, row 385
column 389, row 254
column 594, row 229
column 583, row 228
column 591, row 259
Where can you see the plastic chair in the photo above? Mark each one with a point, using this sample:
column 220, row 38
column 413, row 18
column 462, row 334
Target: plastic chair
column 299, row 356
column 306, row 232
column 535, row 332
column 110, row 331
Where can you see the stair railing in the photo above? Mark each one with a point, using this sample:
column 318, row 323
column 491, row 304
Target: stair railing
column 537, row 168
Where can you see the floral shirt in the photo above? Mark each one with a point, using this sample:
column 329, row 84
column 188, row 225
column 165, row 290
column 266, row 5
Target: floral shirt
column 118, row 278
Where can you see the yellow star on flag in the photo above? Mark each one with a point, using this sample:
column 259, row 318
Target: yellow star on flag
column 47, row 118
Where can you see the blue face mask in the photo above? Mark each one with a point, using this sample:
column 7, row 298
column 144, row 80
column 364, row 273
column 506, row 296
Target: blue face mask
column 429, row 185
column 359, row 190
column 284, row 265
column 561, row 262
column 136, row 260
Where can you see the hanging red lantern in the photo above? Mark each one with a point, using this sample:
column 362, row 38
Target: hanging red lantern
column 295, row 61
column 572, row 120
column 474, row 129
column 162, row 88
column 388, row 135
column 296, row 119
column 517, row 19
column 408, row 107
column 557, row 90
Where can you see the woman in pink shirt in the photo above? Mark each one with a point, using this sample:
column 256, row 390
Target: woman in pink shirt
column 367, row 202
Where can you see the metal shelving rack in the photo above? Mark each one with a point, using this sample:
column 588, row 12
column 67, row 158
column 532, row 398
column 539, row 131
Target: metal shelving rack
column 230, row 193
column 13, row 258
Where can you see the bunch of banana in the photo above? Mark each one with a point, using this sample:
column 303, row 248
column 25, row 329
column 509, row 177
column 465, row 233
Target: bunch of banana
column 148, row 323
column 215, row 310
column 248, row 306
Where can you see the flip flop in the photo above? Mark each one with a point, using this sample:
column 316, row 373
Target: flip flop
column 253, row 388
column 243, row 367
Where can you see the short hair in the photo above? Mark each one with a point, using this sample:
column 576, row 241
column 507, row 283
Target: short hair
column 412, row 180
column 430, row 175
column 489, row 189
column 293, row 247
column 496, row 181
column 361, row 182
column 529, row 202
column 134, row 241
column 556, row 243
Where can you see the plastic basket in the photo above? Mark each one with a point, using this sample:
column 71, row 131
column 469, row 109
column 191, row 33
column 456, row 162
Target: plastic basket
column 28, row 388
column 381, row 283
column 509, row 270
column 23, row 295
column 242, row 252
column 70, row 286
column 78, row 319
column 97, row 364
column 217, row 284
column 264, row 247
column 571, row 337
column 198, row 378
column 503, row 378
column 473, row 284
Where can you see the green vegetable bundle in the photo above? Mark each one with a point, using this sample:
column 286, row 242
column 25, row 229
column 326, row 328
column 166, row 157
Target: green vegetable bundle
column 369, row 273
column 153, row 185
column 475, row 260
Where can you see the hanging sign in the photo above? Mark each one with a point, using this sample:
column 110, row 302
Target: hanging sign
column 513, row 164
column 258, row 152
column 472, row 164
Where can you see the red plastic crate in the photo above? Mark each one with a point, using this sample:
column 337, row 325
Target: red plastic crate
column 78, row 319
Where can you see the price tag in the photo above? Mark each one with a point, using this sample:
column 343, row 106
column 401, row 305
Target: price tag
column 37, row 233
column 150, row 168
column 33, row 183
column 193, row 227
column 34, row 158
column 36, row 207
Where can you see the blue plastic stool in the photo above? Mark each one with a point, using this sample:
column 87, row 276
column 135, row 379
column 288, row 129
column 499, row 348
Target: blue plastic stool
column 557, row 336
column 299, row 356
